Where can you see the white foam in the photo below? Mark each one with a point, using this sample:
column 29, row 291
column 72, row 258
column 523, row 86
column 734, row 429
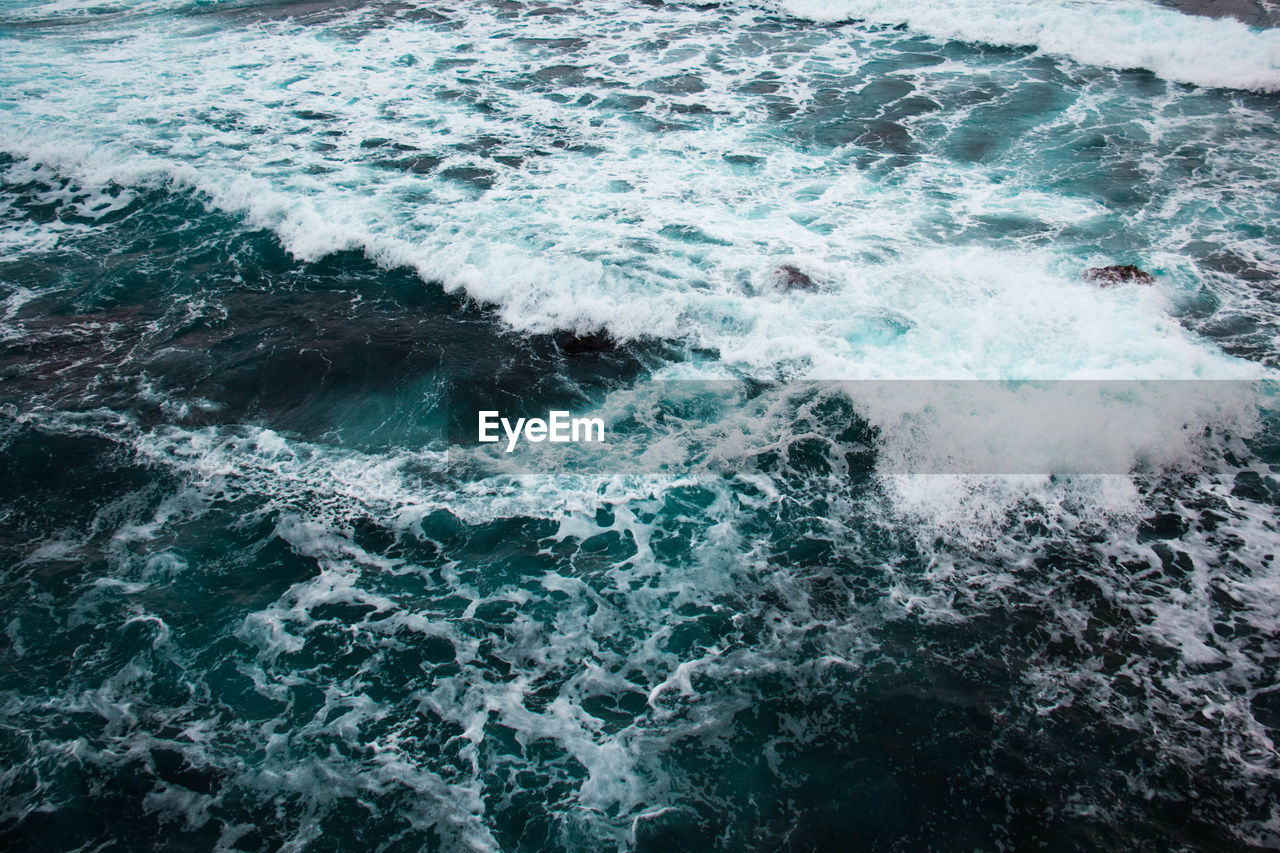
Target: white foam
column 554, row 244
column 572, row 239
column 1108, row 33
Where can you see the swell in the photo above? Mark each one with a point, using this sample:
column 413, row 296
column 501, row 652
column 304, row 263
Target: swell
column 1118, row 34
column 1236, row 48
column 944, row 210
column 241, row 624
column 218, row 325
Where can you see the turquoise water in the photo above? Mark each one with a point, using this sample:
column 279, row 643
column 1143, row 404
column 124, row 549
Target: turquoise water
column 261, row 262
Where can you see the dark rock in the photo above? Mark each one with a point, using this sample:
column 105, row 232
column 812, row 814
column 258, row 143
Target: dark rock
column 572, row 344
column 791, row 278
column 1122, row 274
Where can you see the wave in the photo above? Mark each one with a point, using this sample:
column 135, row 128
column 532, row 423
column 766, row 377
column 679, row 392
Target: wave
column 1118, row 34
column 940, row 247
column 941, row 312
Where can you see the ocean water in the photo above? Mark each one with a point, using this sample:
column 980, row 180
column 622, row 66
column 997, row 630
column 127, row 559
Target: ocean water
column 261, row 262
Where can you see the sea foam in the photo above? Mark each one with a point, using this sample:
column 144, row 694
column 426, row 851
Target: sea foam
column 1107, row 33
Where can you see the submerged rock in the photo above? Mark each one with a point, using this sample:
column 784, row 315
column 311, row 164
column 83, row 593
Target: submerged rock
column 792, row 278
column 1120, row 274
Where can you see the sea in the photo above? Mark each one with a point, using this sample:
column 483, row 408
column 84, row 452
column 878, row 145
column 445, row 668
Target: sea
column 906, row 533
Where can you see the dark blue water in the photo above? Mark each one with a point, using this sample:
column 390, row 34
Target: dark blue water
column 262, row 263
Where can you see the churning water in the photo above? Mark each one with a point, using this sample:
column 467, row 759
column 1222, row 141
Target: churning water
column 259, row 260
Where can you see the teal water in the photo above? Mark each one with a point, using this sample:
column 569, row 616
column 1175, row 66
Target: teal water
column 260, row 262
